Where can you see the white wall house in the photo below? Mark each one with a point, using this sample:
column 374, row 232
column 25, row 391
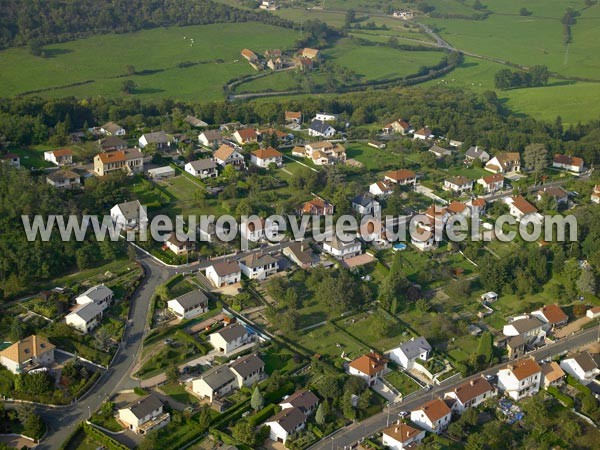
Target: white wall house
column 60, row 157
column 470, row 394
column 100, row 295
column 570, row 163
column 85, row 317
column 202, row 168
column 492, row 183
column 304, row 400
column 28, row 353
column 258, row 266
column 285, row 423
column 216, row 382
column 582, row 366
column 130, row 215
column 224, row 273
column 144, row 415
column 408, row 352
column 228, row 339
column 342, row 249
column 248, row 370
column 458, row 184
column 434, row 416
column 369, row 367
column 319, row 128
column 264, row 157
column 190, row 305
column 521, row 379
column 400, row 436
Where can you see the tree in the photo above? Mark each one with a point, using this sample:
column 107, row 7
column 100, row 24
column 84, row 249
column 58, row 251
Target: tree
column 586, row 284
column 130, row 70
column 128, row 87
column 172, row 373
column 320, row 415
column 36, row 48
column 257, row 401
column 536, row 158
column 17, row 329
column 243, row 433
column 33, row 427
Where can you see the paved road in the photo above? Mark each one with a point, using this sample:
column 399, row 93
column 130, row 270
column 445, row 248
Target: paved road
column 61, row 422
column 348, row 436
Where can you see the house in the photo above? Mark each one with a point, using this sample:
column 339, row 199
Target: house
column 61, row 157
column 210, row 138
column 593, row 313
column 202, row 168
column 478, row 206
column 470, row 394
column 264, row 157
column 595, row 196
column 224, row 273
column 397, row 126
column 381, row 188
column 423, row 238
column 557, row 193
column 112, row 143
column 255, row 230
column 342, row 249
column 366, row 205
column 158, row 138
column 130, row 215
column 285, row 423
column 440, row 152
column 190, row 305
column 249, row 55
column 275, row 63
column 229, row 156
column 229, row 338
column 245, row 136
column 312, row 54
column 129, row 160
column 215, row 383
column 112, row 129
column 63, row 179
column 317, row 206
column 458, row 208
column 522, row 210
column 434, row 416
column 570, row 163
column 293, row 117
column 504, row 163
column 402, row 177
column 377, row 144
column 248, row 370
column 492, row 183
column 304, row 64
column 320, row 128
column 304, row 400
column 515, row 346
column 28, row 353
column 458, row 184
column 581, row 366
column 552, row 315
column 258, row 266
column 423, row 134
column 100, row 295
column 195, row 122
column 520, row 379
column 369, row 367
column 11, row 159
column 552, row 374
column 325, row 152
column 474, row 153
column 409, row 352
column 85, row 317
column 144, row 415
column 401, row 436
column 531, row 328
column 161, row 173
column 301, row 254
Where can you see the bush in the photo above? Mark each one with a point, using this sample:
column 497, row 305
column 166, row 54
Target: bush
column 262, row 415
column 563, row 398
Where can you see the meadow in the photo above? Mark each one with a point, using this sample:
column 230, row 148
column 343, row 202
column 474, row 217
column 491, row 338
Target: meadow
column 100, row 62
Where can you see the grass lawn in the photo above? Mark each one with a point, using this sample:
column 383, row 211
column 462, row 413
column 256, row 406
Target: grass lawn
column 116, row 267
column 32, row 157
column 323, row 340
column 463, row 347
column 278, row 359
column 178, row 392
column 402, row 382
column 372, row 158
column 364, row 326
column 154, row 53
column 110, row 423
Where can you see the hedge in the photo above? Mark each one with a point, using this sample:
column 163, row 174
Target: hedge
column 563, row 398
column 262, row 415
column 105, row 440
column 572, row 381
column 231, row 414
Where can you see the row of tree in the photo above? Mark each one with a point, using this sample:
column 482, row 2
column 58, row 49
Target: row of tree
column 534, row 77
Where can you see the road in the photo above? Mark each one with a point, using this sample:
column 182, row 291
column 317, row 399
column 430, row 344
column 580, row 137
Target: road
column 353, row 433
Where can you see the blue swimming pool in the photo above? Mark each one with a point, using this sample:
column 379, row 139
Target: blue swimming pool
column 399, row 246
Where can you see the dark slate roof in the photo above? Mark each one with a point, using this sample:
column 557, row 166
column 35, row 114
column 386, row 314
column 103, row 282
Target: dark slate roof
column 88, row 311
column 157, row 137
column 363, row 200
column 319, row 126
column 113, row 141
column 414, row 347
column 289, row 419
column 218, row 377
column 585, row 361
column 192, row 299
column 246, row 365
column 203, row 164
column 257, row 260
column 303, row 400
column 525, row 325
column 144, row 406
column 131, row 210
column 232, row 332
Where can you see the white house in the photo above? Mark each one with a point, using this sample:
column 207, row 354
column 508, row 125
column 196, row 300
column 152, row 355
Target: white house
column 304, row 400
column 264, row 157
column 144, row 415
column 229, row 156
column 552, row 316
column 521, row 209
column 366, row 205
column 492, row 183
column 158, row 138
column 285, row 423
column 458, row 184
column 423, row 134
column 224, row 273
column 325, row 117
column 85, row 317
column 531, row 328
column 28, row 353
column 202, row 168
column 434, row 416
column 229, row 338
column 112, row 129
column 474, row 153
column 178, row 246
column 210, row 138
column 369, row 367
column 593, row 313
column 255, row 230
column 301, row 254
column 440, row 152
column 100, row 295
column 248, row 370
column 258, row 266
column 321, row 129
column 400, row 436
column 11, row 159
column 216, row 382
column 595, row 195
column 381, row 189
column 470, row 394
column 582, row 366
column 59, row 157
column 190, row 305
column 408, row 352
column 504, row 163
column 402, row 177
column 63, row 179
column 161, row 173
column 520, row 379
column 552, row 374
column 245, row 136
column 397, row 126
column 130, row 215
column 342, row 249
column 570, row 163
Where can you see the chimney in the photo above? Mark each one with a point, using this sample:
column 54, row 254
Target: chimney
column 472, row 382
column 396, row 430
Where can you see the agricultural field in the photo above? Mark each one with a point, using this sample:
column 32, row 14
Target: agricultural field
column 99, row 62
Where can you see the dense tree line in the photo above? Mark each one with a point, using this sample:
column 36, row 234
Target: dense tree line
column 38, row 22
column 534, row 77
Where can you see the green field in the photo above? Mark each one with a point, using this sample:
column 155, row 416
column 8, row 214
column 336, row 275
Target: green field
column 102, row 61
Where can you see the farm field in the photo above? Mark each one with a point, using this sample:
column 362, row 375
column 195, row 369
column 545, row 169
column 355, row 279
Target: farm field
column 155, row 54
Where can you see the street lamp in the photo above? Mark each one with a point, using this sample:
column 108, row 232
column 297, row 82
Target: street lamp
column 388, row 415
column 89, row 412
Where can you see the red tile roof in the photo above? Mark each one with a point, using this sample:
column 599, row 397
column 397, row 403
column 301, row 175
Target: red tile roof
column 401, row 174
column 472, row 389
column 524, row 369
column 554, row 314
column 568, row 160
column 268, row 152
column 435, row 409
column 523, row 205
column 369, row 364
column 402, row 432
